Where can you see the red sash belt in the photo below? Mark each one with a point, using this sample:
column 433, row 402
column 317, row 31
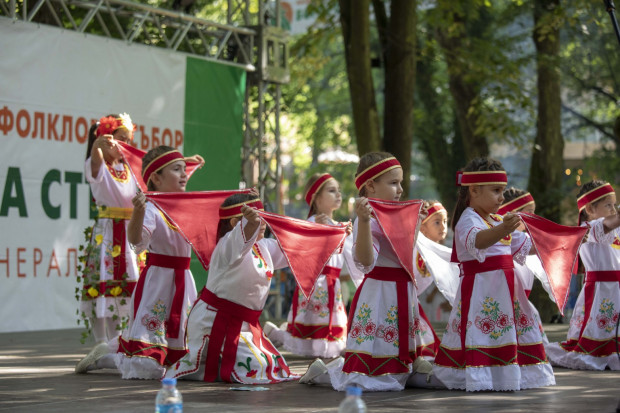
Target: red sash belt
column 179, row 264
column 119, row 237
column 331, row 275
column 470, row 269
column 225, row 331
column 401, row 278
column 592, row 277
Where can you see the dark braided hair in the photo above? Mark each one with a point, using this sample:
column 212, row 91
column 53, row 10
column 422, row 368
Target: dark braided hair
column 462, row 201
column 585, row 188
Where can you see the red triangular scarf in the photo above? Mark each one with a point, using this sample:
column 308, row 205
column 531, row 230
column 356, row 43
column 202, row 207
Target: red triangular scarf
column 196, row 215
column 399, row 222
column 306, row 245
column 133, row 157
column 557, row 247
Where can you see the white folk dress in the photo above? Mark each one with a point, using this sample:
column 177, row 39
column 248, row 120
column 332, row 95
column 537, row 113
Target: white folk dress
column 503, row 347
column 111, row 270
column 309, row 330
column 224, row 320
column 155, row 336
column 591, row 340
column 374, row 359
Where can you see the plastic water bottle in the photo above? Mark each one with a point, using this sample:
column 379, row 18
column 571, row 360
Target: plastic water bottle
column 353, row 403
column 168, row 398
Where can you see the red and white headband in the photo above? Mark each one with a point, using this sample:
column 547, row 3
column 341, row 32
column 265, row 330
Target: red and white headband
column 594, row 195
column 516, row 204
column 481, row 178
column 434, row 209
column 316, row 187
column 375, row 171
column 234, row 211
column 160, row 162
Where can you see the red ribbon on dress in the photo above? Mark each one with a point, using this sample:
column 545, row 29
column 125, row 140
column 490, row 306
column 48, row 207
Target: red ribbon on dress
column 225, row 331
column 401, row 278
column 179, row 264
column 399, row 221
column 119, row 238
column 473, row 267
column 592, row 277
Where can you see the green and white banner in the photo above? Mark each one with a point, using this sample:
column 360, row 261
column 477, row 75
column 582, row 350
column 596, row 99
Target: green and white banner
column 54, row 84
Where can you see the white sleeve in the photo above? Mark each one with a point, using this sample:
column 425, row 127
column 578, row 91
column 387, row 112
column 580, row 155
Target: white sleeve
column 89, row 172
column 597, row 232
column 466, row 231
column 356, row 275
column 235, row 246
column 374, row 227
column 148, row 226
column 520, row 246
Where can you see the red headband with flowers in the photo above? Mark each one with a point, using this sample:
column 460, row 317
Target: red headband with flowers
column 434, row 209
column 316, row 187
column 515, row 204
column 160, row 162
column 594, row 195
column 375, row 170
column 234, row 211
column 481, row 178
column 109, row 124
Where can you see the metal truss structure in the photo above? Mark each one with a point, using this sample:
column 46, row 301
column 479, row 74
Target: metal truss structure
column 251, row 38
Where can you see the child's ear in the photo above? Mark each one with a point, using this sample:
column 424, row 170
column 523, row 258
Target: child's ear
column 589, row 210
column 156, row 179
column 370, row 186
column 234, row 221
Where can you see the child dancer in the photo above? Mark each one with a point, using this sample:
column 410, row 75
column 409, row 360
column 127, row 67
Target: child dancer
column 155, row 336
column 317, row 325
column 591, row 341
column 434, row 226
column 518, row 200
column 490, row 342
column 110, row 271
column 380, row 354
column 229, row 306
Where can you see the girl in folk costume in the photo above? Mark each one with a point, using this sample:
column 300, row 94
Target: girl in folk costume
column 434, row 226
column 518, row 200
column 317, row 325
column 227, row 311
column 490, row 342
column 154, row 337
column 110, row 271
column 384, row 345
column 591, row 341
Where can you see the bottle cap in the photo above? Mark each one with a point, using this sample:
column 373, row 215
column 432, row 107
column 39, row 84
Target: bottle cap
column 169, row 382
column 354, row 391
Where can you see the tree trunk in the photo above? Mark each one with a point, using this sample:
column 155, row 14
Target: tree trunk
column 400, row 84
column 463, row 92
column 355, row 21
column 443, row 156
column 546, row 171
